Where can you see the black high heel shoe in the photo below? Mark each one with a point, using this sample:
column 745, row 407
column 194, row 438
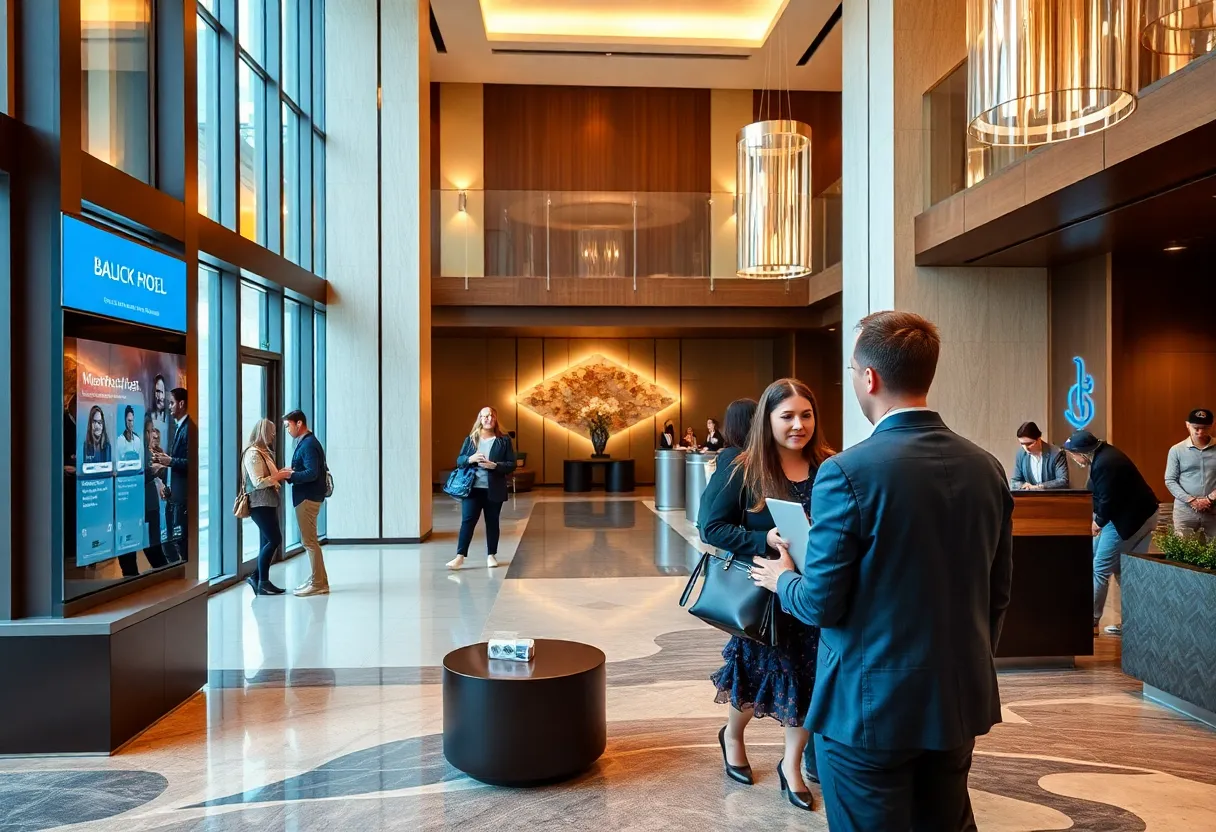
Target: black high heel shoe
column 801, row 800
column 740, row 774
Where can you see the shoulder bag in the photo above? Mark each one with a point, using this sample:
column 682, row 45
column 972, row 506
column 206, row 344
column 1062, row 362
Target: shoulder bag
column 240, row 508
column 730, row 600
column 460, row 481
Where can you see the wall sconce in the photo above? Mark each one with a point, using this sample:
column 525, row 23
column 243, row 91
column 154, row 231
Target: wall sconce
column 462, row 202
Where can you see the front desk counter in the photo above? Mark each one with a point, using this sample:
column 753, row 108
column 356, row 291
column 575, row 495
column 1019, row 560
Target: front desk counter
column 1050, row 617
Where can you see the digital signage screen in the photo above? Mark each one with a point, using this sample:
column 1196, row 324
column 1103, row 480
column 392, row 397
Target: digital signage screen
column 107, row 274
column 125, row 465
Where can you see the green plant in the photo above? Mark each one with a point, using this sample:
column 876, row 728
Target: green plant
column 1194, row 549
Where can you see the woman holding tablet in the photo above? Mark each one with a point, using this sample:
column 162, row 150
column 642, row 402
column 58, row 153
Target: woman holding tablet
column 785, row 448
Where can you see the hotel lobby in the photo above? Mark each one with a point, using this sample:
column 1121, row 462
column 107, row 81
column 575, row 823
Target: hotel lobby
column 231, row 227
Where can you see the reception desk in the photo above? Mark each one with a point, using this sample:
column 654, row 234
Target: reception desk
column 1050, row 617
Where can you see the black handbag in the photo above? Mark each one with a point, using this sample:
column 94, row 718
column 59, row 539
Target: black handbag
column 731, row 601
column 460, row 483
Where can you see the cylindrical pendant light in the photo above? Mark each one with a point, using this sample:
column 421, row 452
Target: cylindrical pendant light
column 1041, row 71
column 1180, row 27
column 773, row 211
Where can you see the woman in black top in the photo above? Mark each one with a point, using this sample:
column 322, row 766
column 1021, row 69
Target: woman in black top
column 784, row 450
column 488, row 451
column 714, row 441
column 739, row 415
column 667, row 439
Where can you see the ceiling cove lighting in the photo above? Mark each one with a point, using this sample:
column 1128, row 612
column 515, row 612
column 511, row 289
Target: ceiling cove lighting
column 1179, row 27
column 773, row 206
column 1042, row 71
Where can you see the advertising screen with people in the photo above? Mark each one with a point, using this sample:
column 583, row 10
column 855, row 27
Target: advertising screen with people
column 121, row 458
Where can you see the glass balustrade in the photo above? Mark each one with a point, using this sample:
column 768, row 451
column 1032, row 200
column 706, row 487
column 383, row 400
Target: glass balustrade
column 601, row 234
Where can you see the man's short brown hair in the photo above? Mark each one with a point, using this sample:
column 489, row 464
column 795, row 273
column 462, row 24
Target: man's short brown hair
column 902, row 348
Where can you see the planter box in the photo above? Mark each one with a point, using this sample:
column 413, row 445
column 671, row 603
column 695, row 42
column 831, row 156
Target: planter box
column 1169, row 628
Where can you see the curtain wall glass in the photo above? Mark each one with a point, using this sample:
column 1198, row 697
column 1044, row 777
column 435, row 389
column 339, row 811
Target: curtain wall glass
column 117, row 90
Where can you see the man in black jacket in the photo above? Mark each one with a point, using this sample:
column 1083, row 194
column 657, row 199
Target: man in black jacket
column 1125, row 510
column 308, row 486
column 177, row 460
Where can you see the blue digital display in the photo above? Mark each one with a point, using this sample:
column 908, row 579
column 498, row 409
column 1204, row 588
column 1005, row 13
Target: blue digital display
column 1080, row 410
column 106, row 274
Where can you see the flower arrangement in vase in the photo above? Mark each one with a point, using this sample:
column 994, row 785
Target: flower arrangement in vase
column 597, row 415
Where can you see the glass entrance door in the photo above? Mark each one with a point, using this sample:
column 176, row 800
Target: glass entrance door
column 259, row 400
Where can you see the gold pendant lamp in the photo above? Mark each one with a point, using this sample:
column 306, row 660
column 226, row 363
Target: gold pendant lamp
column 1179, row 27
column 1042, row 71
column 773, row 178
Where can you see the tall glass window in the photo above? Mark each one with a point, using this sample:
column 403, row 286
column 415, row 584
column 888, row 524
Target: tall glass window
column 208, row 281
column 255, row 317
column 291, row 47
column 251, row 103
column 117, row 90
column 251, row 26
column 291, row 184
column 321, row 399
column 318, row 204
column 291, row 391
column 208, row 119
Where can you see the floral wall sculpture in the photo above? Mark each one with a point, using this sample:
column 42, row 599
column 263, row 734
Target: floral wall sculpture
column 564, row 397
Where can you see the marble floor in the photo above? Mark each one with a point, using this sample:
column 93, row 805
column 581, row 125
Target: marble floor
column 325, row 713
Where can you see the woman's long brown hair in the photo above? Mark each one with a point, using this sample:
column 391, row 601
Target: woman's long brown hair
column 760, row 462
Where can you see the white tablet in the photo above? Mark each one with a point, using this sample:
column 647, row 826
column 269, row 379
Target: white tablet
column 793, row 526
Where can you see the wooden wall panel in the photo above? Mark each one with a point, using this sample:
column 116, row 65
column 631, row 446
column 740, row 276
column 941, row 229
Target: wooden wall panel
column 530, row 428
column 643, row 437
column 1162, row 355
column 817, row 361
column 820, row 110
column 596, row 138
column 460, row 389
column 557, row 438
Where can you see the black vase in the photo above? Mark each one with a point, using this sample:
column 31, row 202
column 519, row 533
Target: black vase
column 599, row 441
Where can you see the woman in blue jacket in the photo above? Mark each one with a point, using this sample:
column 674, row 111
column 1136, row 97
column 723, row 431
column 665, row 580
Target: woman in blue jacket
column 488, row 451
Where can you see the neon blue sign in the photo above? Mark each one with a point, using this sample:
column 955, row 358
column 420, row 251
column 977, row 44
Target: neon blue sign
column 1080, row 410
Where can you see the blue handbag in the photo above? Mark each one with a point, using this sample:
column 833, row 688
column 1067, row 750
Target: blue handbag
column 460, row 483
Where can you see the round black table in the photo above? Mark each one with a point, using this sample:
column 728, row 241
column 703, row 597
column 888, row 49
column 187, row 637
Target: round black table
column 525, row 723
column 618, row 475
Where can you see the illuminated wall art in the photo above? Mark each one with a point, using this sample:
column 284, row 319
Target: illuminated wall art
column 563, row 397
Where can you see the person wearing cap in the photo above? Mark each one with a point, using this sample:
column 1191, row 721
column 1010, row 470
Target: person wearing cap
column 1190, row 475
column 1039, row 466
column 1125, row 510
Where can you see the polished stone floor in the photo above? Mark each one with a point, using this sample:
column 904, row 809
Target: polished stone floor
column 324, row 713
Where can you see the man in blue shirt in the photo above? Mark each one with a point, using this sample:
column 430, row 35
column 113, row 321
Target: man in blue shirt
column 307, row 476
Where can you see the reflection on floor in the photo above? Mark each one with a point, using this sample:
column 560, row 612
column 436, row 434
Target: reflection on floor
column 324, row 713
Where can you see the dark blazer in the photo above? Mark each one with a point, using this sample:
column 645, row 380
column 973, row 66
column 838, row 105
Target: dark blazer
column 308, row 470
column 726, row 458
column 908, row 571
column 728, row 525
column 667, row 442
column 501, row 453
column 1055, row 468
column 1121, row 496
column 179, row 464
column 715, row 442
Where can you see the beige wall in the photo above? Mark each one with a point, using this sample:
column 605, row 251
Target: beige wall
column 993, row 373
column 472, row 372
column 729, row 112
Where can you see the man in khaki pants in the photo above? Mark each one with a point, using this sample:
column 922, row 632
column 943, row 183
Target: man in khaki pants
column 308, row 486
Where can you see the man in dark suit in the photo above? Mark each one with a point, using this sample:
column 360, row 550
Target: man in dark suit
column 908, row 571
column 1039, row 466
column 177, row 460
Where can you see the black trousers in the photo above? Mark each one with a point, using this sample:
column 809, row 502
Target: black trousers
column 471, row 508
column 154, row 553
column 895, row 791
column 266, row 518
column 177, row 549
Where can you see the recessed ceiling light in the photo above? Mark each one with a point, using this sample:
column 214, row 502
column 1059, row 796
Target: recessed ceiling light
column 831, row 329
column 1174, row 248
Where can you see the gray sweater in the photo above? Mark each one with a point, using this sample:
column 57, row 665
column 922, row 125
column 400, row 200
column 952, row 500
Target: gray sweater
column 1190, row 471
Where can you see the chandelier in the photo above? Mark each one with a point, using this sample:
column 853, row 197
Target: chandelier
column 600, row 252
column 1179, row 27
column 773, row 213
column 1041, row 71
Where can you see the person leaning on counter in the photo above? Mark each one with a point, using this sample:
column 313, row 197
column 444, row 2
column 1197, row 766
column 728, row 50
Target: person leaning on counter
column 1190, row 475
column 1039, row 466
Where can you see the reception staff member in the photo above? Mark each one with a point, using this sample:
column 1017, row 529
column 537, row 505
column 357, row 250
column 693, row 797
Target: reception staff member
column 1125, row 510
column 1039, row 466
column 1190, row 475
column 714, row 441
